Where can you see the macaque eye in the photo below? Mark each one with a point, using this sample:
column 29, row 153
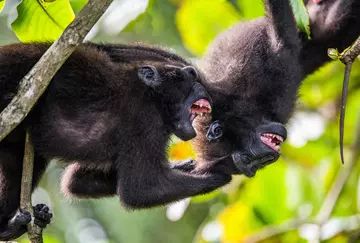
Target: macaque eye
column 215, row 131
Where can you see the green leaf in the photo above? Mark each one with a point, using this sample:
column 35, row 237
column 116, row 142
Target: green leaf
column 40, row 20
column 301, row 16
column 2, row 4
column 193, row 16
column 77, row 5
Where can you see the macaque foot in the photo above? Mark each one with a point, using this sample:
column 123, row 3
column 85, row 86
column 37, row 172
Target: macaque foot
column 21, row 218
column 42, row 216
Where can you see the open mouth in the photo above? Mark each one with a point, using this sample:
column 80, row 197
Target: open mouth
column 199, row 107
column 272, row 140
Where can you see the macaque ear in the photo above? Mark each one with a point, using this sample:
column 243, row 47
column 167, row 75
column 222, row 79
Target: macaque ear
column 149, row 75
column 190, row 72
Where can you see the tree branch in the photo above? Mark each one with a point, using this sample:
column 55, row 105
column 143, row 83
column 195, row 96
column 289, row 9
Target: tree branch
column 351, row 53
column 347, row 57
column 34, row 231
column 33, row 85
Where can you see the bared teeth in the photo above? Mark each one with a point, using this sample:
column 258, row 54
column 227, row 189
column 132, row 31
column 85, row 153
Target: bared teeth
column 272, row 136
column 200, row 107
column 272, row 140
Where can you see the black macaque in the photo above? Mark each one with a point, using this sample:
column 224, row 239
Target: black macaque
column 254, row 71
column 110, row 122
column 251, row 69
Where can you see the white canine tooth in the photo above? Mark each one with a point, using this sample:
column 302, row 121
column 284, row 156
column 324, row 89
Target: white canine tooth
column 201, row 105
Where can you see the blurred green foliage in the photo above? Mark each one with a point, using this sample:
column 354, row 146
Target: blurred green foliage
column 292, row 188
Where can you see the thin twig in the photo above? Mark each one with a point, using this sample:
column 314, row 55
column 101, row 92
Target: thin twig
column 343, row 175
column 34, row 231
column 343, row 107
column 270, row 231
column 348, row 56
column 33, row 85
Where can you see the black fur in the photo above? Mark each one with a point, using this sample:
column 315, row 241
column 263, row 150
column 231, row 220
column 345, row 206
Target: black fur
column 254, row 71
column 110, row 120
column 334, row 24
column 251, row 69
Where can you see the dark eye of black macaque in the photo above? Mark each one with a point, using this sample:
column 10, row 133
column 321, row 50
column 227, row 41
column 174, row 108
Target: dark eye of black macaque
column 258, row 148
column 186, row 100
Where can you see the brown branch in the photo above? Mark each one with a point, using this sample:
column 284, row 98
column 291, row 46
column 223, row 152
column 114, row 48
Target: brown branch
column 344, row 95
column 351, row 53
column 347, row 57
column 33, row 85
column 34, row 231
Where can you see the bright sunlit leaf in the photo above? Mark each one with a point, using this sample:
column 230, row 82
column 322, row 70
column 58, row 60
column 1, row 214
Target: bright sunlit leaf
column 238, row 222
column 2, row 4
column 181, row 151
column 301, row 16
column 199, row 21
column 40, row 20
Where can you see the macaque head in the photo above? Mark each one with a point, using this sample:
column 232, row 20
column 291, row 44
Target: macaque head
column 181, row 95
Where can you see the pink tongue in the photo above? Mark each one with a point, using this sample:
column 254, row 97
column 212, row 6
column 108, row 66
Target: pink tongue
column 268, row 143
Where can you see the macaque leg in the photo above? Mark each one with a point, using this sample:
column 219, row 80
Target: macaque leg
column 153, row 187
column 86, row 182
